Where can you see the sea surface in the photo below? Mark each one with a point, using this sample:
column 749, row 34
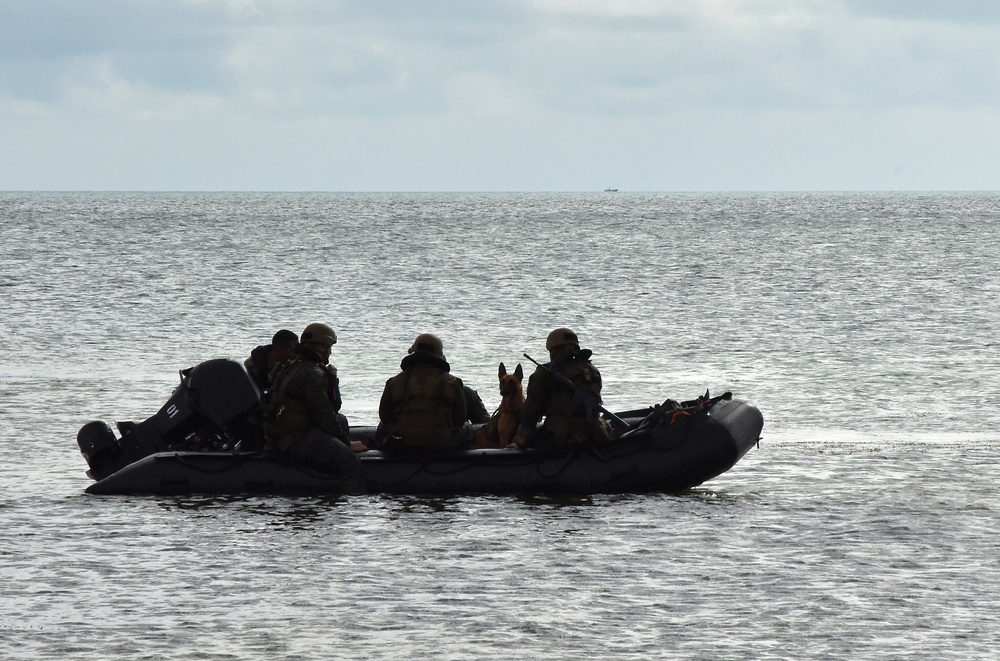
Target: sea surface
column 864, row 326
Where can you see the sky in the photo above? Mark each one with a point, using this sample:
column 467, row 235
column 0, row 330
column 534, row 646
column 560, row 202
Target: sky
column 512, row 95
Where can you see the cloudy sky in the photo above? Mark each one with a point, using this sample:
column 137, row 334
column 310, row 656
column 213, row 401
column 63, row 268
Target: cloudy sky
column 512, row 95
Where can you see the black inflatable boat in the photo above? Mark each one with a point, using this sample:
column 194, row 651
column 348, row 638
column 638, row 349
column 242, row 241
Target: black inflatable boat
column 193, row 445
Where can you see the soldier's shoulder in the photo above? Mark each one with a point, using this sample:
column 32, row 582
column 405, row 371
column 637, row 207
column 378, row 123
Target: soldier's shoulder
column 305, row 370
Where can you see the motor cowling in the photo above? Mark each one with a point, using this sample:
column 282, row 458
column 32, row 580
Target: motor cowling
column 99, row 446
column 223, row 392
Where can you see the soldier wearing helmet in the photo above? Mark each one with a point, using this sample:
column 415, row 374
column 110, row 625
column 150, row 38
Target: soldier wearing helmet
column 570, row 416
column 423, row 407
column 303, row 415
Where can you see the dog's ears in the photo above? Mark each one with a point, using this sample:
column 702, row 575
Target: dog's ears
column 518, row 372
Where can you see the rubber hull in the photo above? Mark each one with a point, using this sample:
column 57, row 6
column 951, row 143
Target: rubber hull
column 666, row 457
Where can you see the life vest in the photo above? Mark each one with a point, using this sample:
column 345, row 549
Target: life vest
column 564, row 401
column 285, row 415
column 423, row 398
column 570, row 417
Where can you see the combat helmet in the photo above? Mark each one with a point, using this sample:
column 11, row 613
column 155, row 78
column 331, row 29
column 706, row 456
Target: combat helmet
column 429, row 344
column 319, row 334
column 561, row 337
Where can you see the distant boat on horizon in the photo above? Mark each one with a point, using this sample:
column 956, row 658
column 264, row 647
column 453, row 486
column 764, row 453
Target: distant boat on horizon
column 610, row 190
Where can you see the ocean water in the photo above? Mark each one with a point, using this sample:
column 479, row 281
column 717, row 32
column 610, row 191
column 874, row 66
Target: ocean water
column 864, row 326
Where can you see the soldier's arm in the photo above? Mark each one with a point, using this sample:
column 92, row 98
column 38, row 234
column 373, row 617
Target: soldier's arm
column 459, row 409
column 323, row 414
column 534, row 404
column 334, row 385
column 477, row 412
column 385, row 404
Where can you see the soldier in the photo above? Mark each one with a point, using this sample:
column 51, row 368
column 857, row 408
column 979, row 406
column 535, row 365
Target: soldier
column 571, row 415
column 423, row 407
column 265, row 357
column 303, row 419
column 476, row 412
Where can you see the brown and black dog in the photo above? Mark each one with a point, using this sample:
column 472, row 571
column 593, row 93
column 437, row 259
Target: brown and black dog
column 501, row 429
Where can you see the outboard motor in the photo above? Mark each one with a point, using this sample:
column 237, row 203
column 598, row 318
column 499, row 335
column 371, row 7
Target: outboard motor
column 99, row 446
column 216, row 405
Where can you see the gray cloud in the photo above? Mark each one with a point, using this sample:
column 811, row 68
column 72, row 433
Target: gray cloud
column 318, row 58
column 956, row 11
column 46, row 45
column 544, row 81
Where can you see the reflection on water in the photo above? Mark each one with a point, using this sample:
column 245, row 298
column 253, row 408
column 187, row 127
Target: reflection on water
column 796, row 549
column 411, row 504
column 554, row 500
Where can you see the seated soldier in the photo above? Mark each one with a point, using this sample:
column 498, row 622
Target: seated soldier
column 265, row 357
column 423, row 407
column 302, row 418
column 572, row 417
column 475, row 410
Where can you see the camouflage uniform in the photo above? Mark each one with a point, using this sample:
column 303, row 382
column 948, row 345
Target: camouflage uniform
column 570, row 419
column 423, row 407
column 475, row 409
column 264, row 359
column 303, row 422
column 259, row 367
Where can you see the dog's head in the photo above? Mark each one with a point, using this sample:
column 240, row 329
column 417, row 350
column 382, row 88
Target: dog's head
column 510, row 383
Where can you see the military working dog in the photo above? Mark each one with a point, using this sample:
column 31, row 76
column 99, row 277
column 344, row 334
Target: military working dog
column 500, row 430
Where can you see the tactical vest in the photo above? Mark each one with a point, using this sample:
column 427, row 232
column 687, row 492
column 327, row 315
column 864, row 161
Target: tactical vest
column 570, row 418
column 423, row 399
column 285, row 415
column 565, row 402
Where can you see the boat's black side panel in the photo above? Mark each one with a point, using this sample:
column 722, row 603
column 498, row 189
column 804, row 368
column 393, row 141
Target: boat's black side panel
column 215, row 473
column 669, row 457
column 217, row 406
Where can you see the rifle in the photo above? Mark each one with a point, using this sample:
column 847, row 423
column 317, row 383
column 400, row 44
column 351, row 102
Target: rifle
column 616, row 422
